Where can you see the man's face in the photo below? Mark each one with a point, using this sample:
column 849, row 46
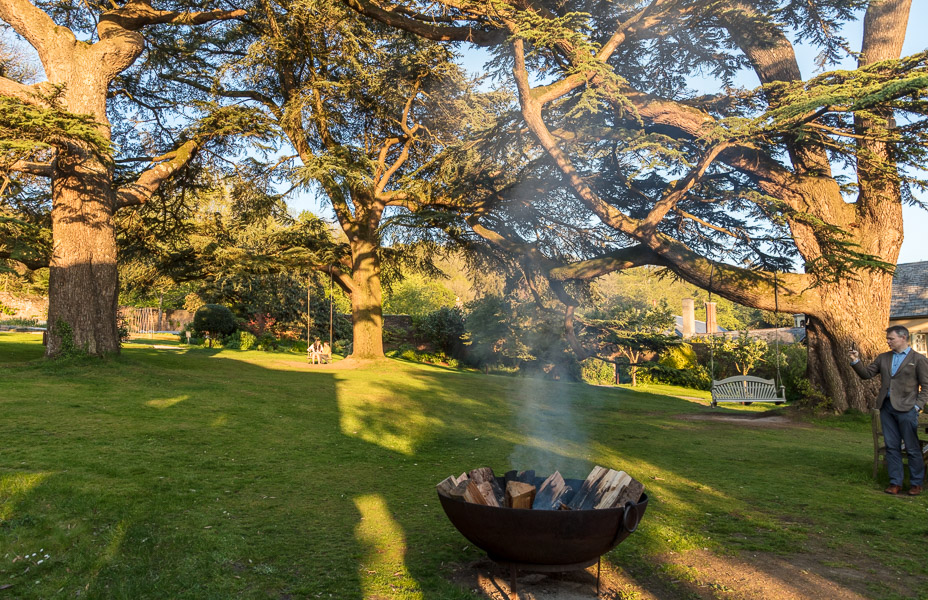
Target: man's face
column 896, row 342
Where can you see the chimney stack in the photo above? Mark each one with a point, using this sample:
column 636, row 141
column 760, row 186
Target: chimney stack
column 689, row 318
column 711, row 326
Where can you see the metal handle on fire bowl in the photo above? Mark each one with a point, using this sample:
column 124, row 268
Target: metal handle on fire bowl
column 629, row 522
column 630, row 515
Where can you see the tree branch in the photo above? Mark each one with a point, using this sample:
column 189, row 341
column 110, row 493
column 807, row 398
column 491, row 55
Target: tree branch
column 34, row 94
column 35, row 26
column 267, row 101
column 148, row 182
column 31, row 263
column 137, row 14
column 39, row 169
column 618, row 260
column 417, row 25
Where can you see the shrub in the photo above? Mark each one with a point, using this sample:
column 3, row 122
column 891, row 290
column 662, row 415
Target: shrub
column 247, row 340
column 213, row 319
column 19, row 322
column 597, row 372
column 679, row 365
column 342, row 347
column 122, row 329
column 696, row 377
column 69, row 348
column 443, row 329
column 813, row 399
column 268, row 342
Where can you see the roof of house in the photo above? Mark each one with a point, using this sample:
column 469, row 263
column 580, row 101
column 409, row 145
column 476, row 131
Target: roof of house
column 910, row 291
column 786, row 335
column 699, row 326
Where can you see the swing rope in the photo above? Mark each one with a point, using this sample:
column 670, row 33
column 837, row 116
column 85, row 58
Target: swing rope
column 776, row 310
column 331, row 309
column 776, row 339
column 712, row 342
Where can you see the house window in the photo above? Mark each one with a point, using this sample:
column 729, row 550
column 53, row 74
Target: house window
column 920, row 342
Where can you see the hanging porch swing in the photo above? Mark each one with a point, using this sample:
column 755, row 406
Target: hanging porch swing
column 747, row 389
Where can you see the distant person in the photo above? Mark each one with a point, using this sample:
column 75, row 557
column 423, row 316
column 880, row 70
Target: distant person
column 326, row 354
column 315, row 352
column 903, row 394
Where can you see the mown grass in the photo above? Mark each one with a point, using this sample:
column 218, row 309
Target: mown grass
column 218, row 474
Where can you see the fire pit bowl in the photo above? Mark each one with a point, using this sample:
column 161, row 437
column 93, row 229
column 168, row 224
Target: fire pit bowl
column 552, row 538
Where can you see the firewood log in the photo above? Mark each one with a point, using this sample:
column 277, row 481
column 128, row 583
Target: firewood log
column 610, row 487
column 519, row 494
column 585, row 497
column 631, row 493
column 523, row 476
column 486, row 490
column 472, row 493
column 551, row 493
column 445, row 486
column 485, row 475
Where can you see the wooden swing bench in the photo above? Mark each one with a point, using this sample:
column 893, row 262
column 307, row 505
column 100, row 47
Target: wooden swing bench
column 746, row 390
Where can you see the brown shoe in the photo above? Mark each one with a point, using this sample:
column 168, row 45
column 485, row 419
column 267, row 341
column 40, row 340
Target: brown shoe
column 915, row 490
column 894, row 490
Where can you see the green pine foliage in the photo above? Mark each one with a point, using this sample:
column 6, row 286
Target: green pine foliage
column 26, row 128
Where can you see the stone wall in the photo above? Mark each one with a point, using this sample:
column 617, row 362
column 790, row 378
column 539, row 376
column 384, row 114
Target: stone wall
column 26, row 307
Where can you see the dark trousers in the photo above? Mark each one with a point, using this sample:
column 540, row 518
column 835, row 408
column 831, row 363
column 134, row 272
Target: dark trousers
column 901, row 427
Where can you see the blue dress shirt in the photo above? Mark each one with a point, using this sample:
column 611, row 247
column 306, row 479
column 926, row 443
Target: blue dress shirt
column 898, row 357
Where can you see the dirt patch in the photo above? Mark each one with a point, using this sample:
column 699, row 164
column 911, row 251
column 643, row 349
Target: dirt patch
column 751, row 420
column 696, row 574
column 489, row 580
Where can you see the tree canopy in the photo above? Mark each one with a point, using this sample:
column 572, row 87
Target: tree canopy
column 616, row 162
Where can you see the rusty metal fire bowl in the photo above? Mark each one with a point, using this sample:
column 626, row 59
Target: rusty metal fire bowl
column 544, row 539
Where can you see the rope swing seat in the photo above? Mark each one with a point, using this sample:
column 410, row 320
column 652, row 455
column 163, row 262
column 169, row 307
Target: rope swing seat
column 747, row 389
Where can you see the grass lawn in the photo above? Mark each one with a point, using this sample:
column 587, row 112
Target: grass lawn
column 197, row 473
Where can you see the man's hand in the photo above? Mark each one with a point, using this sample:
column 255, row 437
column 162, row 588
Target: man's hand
column 854, row 355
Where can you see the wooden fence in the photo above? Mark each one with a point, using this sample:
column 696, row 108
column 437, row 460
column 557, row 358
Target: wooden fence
column 150, row 320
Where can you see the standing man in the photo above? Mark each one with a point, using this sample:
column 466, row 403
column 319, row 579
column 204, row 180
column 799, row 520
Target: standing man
column 903, row 393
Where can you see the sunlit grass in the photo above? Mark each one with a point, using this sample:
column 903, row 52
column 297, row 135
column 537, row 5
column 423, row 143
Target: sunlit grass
column 222, row 474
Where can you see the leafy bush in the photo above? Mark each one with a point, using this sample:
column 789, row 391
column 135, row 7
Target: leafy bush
column 597, row 372
column 793, row 360
column 247, row 340
column 442, row 329
column 213, row 319
column 696, row 377
column 679, row 365
column 813, row 399
column 342, row 347
column 122, row 329
column 268, row 342
column 68, row 348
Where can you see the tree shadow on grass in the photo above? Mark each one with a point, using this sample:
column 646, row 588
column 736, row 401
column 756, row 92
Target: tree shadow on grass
column 185, row 475
column 209, row 478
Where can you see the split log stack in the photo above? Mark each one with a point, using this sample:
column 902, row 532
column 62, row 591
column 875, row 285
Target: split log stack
column 603, row 488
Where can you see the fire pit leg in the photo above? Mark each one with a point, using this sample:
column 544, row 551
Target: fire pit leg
column 513, row 591
column 599, row 562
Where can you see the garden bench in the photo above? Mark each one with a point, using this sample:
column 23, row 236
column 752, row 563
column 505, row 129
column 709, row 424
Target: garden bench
column 746, row 389
column 879, row 447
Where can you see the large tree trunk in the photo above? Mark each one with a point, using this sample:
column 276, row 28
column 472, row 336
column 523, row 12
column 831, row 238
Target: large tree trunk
column 366, row 301
column 853, row 315
column 83, row 282
column 83, row 285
